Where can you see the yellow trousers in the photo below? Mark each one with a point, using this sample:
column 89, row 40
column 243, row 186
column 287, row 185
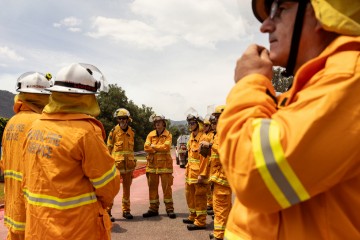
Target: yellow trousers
column 222, row 206
column 196, row 201
column 126, row 182
column 209, row 195
column 167, row 180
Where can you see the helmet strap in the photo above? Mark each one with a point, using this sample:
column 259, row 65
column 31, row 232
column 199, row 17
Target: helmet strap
column 295, row 40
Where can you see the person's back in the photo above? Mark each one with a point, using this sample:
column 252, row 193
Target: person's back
column 28, row 105
column 294, row 163
column 70, row 177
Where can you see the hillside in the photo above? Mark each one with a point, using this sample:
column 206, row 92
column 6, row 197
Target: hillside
column 6, row 104
column 176, row 123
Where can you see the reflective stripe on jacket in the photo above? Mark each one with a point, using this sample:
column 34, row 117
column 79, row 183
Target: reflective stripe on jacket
column 295, row 166
column 159, row 158
column 70, row 178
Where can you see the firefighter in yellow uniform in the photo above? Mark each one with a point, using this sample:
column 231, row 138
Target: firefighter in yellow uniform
column 159, row 167
column 210, row 134
column 222, row 191
column 196, row 176
column 121, row 146
column 29, row 103
column 70, row 178
column 294, row 164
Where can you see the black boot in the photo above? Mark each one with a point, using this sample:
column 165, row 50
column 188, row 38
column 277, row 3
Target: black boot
column 187, row 221
column 171, row 214
column 211, row 236
column 150, row 213
column 192, row 227
column 127, row 215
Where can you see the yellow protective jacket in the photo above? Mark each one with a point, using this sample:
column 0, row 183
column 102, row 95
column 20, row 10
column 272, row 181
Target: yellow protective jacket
column 159, row 158
column 197, row 164
column 295, row 167
column 70, row 178
column 12, row 160
column 121, row 147
column 217, row 173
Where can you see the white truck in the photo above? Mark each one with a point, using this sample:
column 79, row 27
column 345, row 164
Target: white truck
column 181, row 150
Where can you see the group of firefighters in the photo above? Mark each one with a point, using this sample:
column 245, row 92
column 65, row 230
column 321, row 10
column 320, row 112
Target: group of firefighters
column 51, row 152
column 206, row 187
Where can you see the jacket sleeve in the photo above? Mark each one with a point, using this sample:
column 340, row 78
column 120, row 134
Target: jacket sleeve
column 290, row 154
column 110, row 140
column 204, row 161
column 147, row 144
column 215, row 144
column 99, row 167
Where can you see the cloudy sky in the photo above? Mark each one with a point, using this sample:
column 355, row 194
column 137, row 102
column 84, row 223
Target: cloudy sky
column 170, row 55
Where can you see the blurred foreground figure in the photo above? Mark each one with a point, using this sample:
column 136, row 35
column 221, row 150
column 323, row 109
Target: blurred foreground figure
column 294, row 161
column 29, row 103
column 70, row 177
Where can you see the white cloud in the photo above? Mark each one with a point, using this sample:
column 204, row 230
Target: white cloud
column 72, row 29
column 162, row 23
column 10, row 54
column 8, row 82
column 201, row 23
column 70, row 23
column 133, row 32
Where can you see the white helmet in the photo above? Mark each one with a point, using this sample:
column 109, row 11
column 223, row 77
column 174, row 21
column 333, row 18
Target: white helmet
column 79, row 78
column 33, row 82
column 207, row 119
column 155, row 117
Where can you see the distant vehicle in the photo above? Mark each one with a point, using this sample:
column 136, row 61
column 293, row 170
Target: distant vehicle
column 181, row 150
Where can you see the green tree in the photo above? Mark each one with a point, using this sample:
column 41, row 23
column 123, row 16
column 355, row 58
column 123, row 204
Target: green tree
column 176, row 131
column 279, row 81
column 115, row 98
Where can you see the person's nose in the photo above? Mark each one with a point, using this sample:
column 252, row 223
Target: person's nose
column 267, row 26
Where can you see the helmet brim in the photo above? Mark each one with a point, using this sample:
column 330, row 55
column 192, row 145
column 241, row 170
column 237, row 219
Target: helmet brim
column 69, row 90
column 35, row 91
column 261, row 9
